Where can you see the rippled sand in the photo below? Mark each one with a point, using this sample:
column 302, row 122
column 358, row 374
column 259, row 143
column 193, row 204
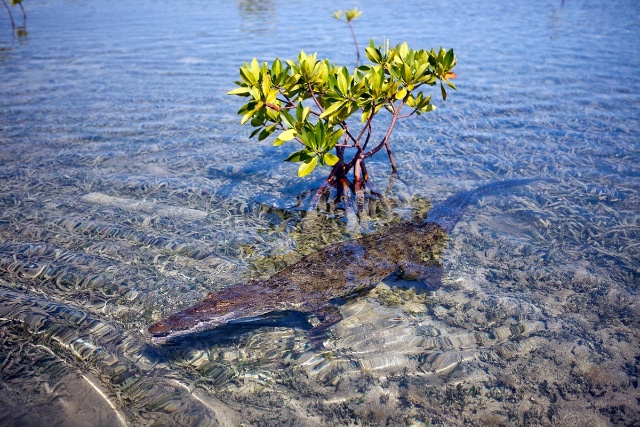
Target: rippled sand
column 129, row 191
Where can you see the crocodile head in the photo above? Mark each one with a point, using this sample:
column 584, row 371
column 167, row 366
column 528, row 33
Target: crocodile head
column 207, row 314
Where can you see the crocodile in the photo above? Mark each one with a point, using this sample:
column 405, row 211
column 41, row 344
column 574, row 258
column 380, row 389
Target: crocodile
column 315, row 282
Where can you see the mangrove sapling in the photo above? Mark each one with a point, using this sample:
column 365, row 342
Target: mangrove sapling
column 310, row 102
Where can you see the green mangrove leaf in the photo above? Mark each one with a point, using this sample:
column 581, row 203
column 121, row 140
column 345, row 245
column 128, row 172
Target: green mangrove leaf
column 241, row 91
column 255, row 93
column 255, row 69
column 321, row 133
column 247, row 116
column 255, row 132
column 332, row 109
column 276, row 67
column 307, row 166
column 344, row 80
column 420, row 70
column 247, row 76
column 266, row 132
column 403, row 50
column 308, row 136
column 266, row 86
column 330, row 159
column 287, row 118
column 285, row 136
column 365, row 115
column 299, row 156
column 406, row 73
column 448, row 61
column 373, row 54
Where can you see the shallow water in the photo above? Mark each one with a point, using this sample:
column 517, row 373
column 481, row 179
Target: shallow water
column 129, row 190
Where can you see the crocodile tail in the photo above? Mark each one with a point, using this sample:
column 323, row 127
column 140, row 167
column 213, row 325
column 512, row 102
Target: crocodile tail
column 448, row 213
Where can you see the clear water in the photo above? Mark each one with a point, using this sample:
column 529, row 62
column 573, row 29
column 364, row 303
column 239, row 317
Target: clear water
column 129, row 190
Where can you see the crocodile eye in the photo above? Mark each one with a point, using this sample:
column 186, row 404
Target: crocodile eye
column 159, row 328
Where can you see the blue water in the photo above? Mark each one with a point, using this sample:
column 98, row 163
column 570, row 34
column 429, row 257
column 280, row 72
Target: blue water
column 116, row 115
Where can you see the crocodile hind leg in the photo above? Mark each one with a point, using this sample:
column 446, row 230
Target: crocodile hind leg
column 328, row 315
